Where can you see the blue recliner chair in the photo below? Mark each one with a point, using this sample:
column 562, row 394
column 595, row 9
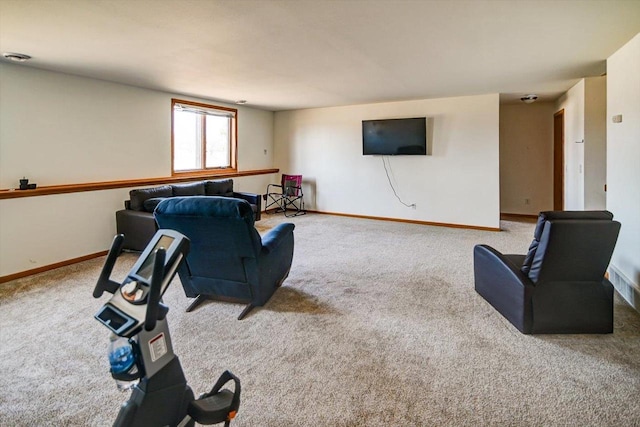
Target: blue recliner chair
column 228, row 259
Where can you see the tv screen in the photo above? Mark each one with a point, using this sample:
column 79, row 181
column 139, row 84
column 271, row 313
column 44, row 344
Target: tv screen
column 395, row 137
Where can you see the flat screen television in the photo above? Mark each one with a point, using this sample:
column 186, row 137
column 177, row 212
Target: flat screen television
column 395, row 137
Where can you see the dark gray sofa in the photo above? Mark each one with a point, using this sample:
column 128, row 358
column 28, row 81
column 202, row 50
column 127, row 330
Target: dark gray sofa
column 136, row 221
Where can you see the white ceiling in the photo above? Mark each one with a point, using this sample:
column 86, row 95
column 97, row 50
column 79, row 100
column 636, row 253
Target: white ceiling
column 287, row 54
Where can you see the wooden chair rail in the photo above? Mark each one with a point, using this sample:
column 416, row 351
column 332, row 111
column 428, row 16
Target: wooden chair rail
column 108, row 185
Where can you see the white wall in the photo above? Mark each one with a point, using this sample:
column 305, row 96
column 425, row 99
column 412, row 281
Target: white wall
column 62, row 129
column 623, row 156
column 457, row 184
column 573, row 104
column 595, row 143
column 585, row 144
column 526, row 158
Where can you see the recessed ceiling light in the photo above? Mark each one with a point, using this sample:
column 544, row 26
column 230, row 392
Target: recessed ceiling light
column 16, row 57
column 241, row 101
column 528, row 99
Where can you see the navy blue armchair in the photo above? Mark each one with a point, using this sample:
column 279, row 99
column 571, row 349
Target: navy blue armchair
column 228, row 259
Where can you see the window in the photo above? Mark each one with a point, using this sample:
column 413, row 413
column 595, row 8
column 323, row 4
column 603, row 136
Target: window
column 203, row 138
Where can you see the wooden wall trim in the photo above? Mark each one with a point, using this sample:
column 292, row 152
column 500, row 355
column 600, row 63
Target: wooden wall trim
column 518, row 217
column 108, row 185
column 19, row 275
column 410, row 221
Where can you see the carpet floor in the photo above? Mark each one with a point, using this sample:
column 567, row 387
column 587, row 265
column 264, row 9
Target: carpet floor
column 377, row 324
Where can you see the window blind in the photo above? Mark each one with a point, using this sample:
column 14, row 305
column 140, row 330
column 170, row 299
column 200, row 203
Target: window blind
column 203, row 110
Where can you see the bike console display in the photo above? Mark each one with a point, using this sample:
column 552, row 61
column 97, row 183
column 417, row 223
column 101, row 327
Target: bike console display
column 136, row 302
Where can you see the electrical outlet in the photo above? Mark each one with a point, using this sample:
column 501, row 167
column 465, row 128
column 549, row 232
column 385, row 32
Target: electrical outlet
column 265, row 151
column 413, row 206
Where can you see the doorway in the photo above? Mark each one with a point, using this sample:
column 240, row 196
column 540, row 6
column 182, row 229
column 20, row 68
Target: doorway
column 558, row 161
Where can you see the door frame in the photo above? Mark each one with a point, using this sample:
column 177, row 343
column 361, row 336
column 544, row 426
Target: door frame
column 558, row 161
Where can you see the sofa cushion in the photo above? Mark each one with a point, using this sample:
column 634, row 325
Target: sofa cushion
column 219, row 187
column 189, row 189
column 139, row 196
column 150, row 204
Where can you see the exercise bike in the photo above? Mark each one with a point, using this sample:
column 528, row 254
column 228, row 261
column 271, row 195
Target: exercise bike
column 141, row 353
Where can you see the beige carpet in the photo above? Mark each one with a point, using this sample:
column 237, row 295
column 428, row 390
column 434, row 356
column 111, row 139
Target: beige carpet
column 378, row 324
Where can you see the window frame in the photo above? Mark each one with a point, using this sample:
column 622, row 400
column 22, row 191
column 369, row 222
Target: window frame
column 233, row 141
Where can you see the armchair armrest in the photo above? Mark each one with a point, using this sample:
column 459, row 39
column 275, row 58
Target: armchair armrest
column 138, row 228
column 497, row 265
column 501, row 282
column 276, row 236
column 280, row 191
column 254, row 199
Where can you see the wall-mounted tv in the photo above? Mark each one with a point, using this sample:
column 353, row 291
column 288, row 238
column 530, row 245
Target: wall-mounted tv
column 395, row 137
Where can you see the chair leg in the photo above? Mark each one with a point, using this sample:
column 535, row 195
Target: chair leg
column 246, row 311
column 271, row 200
column 298, row 209
column 196, row 302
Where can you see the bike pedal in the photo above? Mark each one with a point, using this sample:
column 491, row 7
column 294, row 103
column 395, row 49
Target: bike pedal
column 213, row 409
